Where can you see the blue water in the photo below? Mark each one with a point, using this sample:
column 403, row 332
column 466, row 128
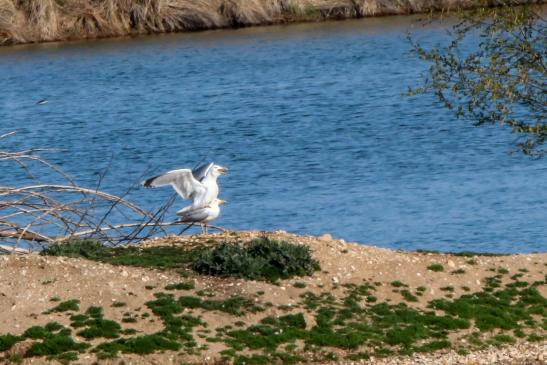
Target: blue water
column 310, row 119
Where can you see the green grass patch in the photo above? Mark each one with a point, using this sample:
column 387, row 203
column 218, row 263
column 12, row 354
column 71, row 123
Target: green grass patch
column 398, row 284
column 462, row 253
column 96, row 326
column 447, row 289
column 501, row 339
column 536, row 338
column 261, row 259
column 506, row 309
column 435, row 267
column 141, row 345
column 458, row 272
column 235, row 305
column 502, row 270
column 351, row 322
column 7, row 341
column 180, row 286
column 408, row 296
column 299, row 285
column 55, row 345
column 53, row 341
column 69, row 305
column 162, row 257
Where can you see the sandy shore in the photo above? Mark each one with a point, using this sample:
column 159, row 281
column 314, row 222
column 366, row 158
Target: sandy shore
column 29, row 282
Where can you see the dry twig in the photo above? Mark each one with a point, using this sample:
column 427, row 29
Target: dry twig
column 38, row 214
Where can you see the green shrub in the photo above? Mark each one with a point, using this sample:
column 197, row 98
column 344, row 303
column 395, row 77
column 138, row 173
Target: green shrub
column 436, row 267
column 7, row 341
column 261, row 259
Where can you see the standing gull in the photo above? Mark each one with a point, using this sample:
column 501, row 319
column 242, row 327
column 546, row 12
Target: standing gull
column 199, row 185
column 203, row 215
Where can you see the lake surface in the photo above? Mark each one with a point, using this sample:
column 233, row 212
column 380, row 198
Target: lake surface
column 310, row 119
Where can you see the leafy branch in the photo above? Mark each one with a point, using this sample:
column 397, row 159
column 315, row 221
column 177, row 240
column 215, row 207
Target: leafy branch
column 502, row 80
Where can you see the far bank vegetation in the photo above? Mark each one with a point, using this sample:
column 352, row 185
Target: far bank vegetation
column 28, row 21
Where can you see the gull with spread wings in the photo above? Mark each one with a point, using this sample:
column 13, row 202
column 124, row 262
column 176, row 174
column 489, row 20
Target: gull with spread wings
column 198, row 185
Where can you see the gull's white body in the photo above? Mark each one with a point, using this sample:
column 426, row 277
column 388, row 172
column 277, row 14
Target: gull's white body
column 202, row 215
column 201, row 188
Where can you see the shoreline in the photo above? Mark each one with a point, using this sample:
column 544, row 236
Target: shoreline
column 39, row 21
column 359, row 284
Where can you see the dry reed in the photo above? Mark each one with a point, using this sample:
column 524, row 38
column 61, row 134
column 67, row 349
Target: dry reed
column 27, row 21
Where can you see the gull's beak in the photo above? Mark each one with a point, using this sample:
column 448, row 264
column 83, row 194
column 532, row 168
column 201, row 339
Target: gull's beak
column 221, row 202
column 223, row 170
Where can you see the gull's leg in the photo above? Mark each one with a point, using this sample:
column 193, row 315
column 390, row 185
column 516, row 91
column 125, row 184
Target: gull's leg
column 201, row 226
column 205, row 228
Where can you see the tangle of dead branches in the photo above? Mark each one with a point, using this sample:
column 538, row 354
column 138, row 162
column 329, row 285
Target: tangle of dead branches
column 38, row 214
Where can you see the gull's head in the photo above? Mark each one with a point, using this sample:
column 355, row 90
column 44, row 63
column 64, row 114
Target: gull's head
column 219, row 170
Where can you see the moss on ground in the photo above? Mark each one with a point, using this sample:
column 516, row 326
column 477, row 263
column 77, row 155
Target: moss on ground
column 162, row 257
column 357, row 322
column 180, row 286
column 141, row 345
column 235, row 305
column 7, row 341
column 462, row 253
column 69, row 305
column 354, row 323
column 408, row 296
column 95, row 326
column 260, row 259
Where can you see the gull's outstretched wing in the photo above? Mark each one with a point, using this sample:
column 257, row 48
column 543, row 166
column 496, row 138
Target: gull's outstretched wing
column 196, row 215
column 182, row 181
column 201, row 171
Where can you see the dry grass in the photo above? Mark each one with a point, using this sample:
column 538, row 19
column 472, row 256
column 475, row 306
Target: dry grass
column 27, row 21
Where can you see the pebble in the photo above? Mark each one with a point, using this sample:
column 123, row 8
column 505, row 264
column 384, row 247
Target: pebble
column 518, row 354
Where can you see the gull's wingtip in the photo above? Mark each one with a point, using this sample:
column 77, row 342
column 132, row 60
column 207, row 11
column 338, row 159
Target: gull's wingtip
column 148, row 182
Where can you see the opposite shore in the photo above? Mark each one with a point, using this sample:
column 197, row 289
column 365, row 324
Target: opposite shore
column 35, row 21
